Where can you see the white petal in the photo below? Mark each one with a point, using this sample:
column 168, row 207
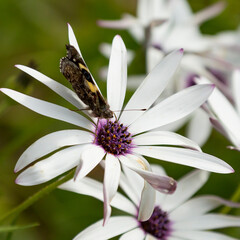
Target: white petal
column 105, row 49
column 187, row 187
column 126, row 22
column 72, row 39
column 111, row 181
column 50, row 143
column 117, row 75
column 164, row 138
column 209, row 12
column 115, row 226
column 207, row 222
column 147, row 202
column 57, row 87
column 90, row 158
column 51, row 167
column 151, row 87
column 136, row 233
column 199, row 127
column 226, row 113
column 93, row 188
column 173, row 108
column 132, row 184
column 199, row 206
column 200, row 235
column 236, row 89
column 140, row 165
column 48, row 109
column 154, row 56
column 186, row 157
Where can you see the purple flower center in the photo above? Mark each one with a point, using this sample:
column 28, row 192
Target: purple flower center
column 113, row 137
column 158, row 224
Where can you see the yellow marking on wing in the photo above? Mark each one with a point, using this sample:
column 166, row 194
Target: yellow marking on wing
column 92, row 87
column 83, row 67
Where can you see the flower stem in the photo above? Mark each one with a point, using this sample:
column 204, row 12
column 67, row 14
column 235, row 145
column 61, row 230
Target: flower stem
column 235, row 198
column 41, row 193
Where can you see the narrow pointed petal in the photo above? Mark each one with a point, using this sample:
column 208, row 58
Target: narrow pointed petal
column 111, row 181
column 173, row 108
column 126, row 22
column 115, row 227
column 140, row 165
column 225, row 113
column 51, row 167
column 208, row 222
column 236, row 89
column 199, row 206
column 48, row 109
column 199, row 127
column 50, row 143
column 147, row 202
column 93, row 188
column 90, row 158
column 131, row 183
column 186, row 157
column 200, row 235
column 57, row 87
column 164, row 138
column 106, row 48
column 117, row 75
column 209, row 12
column 136, row 233
column 151, row 87
column 187, row 187
column 72, row 39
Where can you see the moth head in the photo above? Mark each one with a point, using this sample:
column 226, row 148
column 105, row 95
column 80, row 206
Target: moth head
column 72, row 53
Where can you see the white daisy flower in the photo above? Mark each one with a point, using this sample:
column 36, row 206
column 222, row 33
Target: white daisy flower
column 225, row 115
column 175, row 216
column 123, row 139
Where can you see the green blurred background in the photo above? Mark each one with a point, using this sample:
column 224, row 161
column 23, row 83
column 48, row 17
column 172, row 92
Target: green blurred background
column 37, row 30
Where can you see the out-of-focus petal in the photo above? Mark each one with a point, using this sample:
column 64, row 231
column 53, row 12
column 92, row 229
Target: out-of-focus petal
column 117, row 75
column 236, row 89
column 111, row 181
column 199, row 127
column 151, row 87
column 173, row 108
column 115, row 227
column 200, row 235
column 50, row 143
column 207, row 222
column 51, row 167
column 209, row 12
column 187, row 187
column 186, row 157
column 48, row 109
column 199, row 206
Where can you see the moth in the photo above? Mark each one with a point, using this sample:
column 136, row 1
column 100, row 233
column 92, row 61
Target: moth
column 77, row 73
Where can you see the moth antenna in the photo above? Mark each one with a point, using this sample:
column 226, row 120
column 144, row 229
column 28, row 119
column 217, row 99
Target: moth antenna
column 141, row 109
column 83, row 109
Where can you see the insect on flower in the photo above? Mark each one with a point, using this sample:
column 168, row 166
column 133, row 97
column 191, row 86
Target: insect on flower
column 77, row 73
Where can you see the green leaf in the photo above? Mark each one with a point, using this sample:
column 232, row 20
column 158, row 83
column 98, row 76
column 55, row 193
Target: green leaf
column 10, row 228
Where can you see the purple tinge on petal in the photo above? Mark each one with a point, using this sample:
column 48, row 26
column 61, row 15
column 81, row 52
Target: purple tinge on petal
column 190, row 80
column 165, row 185
column 219, row 75
column 158, row 225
